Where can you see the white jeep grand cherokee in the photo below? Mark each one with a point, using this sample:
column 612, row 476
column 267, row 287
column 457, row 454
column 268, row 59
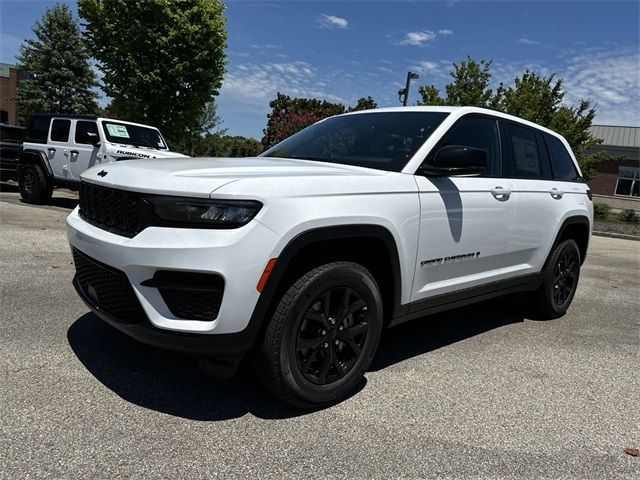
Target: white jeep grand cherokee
column 302, row 256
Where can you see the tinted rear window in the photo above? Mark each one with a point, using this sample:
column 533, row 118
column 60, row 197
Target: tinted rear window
column 525, row 158
column 561, row 163
column 38, row 129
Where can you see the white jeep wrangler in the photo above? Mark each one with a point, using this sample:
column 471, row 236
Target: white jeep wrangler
column 302, row 256
column 58, row 148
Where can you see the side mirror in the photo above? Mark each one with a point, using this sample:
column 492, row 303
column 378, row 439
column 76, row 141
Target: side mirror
column 457, row 160
column 93, row 138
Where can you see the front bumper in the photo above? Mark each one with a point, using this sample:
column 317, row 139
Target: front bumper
column 238, row 256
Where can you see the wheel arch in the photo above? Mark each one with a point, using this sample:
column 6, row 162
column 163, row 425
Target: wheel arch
column 330, row 244
column 578, row 228
column 34, row 156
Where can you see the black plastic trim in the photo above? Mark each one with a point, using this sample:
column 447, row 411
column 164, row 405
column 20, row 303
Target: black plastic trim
column 322, row 234
column 574, row 220
column 42, row 160
column 227, row 345
column 467, row 296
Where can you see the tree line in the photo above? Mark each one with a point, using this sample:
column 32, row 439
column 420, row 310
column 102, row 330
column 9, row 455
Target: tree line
column 162, row 63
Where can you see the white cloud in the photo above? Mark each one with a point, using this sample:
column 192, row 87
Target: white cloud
column 611, row 80
column 445, row 32
column 609, row 77
column 254, row 84
column 332, row 22
column 526, row 41
column 418, row 38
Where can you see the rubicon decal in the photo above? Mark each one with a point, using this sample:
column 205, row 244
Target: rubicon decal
column 451, row 259
column 135, row 154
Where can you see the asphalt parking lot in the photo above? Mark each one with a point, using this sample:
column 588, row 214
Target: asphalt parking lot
column 480, row 392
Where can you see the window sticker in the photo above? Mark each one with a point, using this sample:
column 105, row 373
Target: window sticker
column 117, row 130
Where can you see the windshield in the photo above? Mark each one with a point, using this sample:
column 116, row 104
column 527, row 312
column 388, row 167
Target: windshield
column 380, row 140
column 134, row 135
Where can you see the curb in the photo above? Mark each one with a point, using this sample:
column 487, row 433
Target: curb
column 623, row 236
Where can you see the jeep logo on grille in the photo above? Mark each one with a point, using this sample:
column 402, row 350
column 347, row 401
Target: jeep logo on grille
column 102, row 173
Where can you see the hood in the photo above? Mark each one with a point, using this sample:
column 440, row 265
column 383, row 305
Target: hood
column 118, row 151
column 200, row 177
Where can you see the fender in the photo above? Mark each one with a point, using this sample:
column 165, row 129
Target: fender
column 569, row 221
column 317, row 235
column 38, row 157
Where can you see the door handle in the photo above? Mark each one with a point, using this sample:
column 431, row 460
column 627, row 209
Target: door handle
column 556, row 192
column 51, row 150
column 500, row 191
column 74, row 154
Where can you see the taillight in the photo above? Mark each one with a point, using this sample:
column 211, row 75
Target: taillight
column 589, row 195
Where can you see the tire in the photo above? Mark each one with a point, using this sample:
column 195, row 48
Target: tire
column 560, row 277
column 33, row 184
column 309, row 330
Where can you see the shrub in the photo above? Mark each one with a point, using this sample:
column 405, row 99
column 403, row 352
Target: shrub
column 600, row 210
column 629, row 216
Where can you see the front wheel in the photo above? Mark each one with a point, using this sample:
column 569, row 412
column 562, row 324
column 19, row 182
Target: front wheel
column 322, row 337
column 559, row 280
column 33, row 184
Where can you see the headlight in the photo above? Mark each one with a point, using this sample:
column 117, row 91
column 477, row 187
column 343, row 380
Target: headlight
column 191, row 212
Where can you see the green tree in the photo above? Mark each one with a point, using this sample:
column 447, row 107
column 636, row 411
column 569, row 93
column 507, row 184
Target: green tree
column 364, row 103
column 532, row 97
column 59, row 76
column 163, row 61
column 220, row 145
column 290, row 115
column 469, row 86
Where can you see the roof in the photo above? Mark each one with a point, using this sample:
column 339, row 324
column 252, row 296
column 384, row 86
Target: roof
column 65, row 115
column 617, row 136
column 459, row 112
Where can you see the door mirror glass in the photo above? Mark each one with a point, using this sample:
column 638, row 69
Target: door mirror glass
column 456, row 160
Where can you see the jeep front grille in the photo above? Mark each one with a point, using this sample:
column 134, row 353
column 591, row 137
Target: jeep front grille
column 117, row 211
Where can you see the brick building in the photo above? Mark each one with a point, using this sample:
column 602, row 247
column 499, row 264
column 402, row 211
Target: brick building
column 618, row 183
column 9, row 78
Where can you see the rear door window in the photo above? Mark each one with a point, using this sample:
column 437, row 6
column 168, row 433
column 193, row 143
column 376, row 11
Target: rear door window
column 562, row 165
column 38, row 129
column 524, row 156
column 60, row 130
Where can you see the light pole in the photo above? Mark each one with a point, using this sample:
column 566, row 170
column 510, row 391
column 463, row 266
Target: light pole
column 403, row 93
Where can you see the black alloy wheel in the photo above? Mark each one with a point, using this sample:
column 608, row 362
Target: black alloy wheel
column 565, row 277
column 322, row 336
column 560, row 277
column 331, row 335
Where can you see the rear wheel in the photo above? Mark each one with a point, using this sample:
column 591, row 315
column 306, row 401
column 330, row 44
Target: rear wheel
column 559, row 280
column 33, row 184
column 322, row 336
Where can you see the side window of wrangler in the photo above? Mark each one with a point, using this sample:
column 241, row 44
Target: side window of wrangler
column 561, row 163
column 477, row 132
column 60, row 130
column 524, row 156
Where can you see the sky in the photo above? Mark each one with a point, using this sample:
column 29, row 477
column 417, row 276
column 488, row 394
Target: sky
column 341, row 51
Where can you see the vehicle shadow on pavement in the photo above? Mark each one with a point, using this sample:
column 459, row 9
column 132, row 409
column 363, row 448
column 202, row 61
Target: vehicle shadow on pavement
column 165, row 381
column 171, row 383
column 426, row 334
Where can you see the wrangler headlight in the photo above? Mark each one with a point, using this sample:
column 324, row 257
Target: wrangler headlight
column 203, row 213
